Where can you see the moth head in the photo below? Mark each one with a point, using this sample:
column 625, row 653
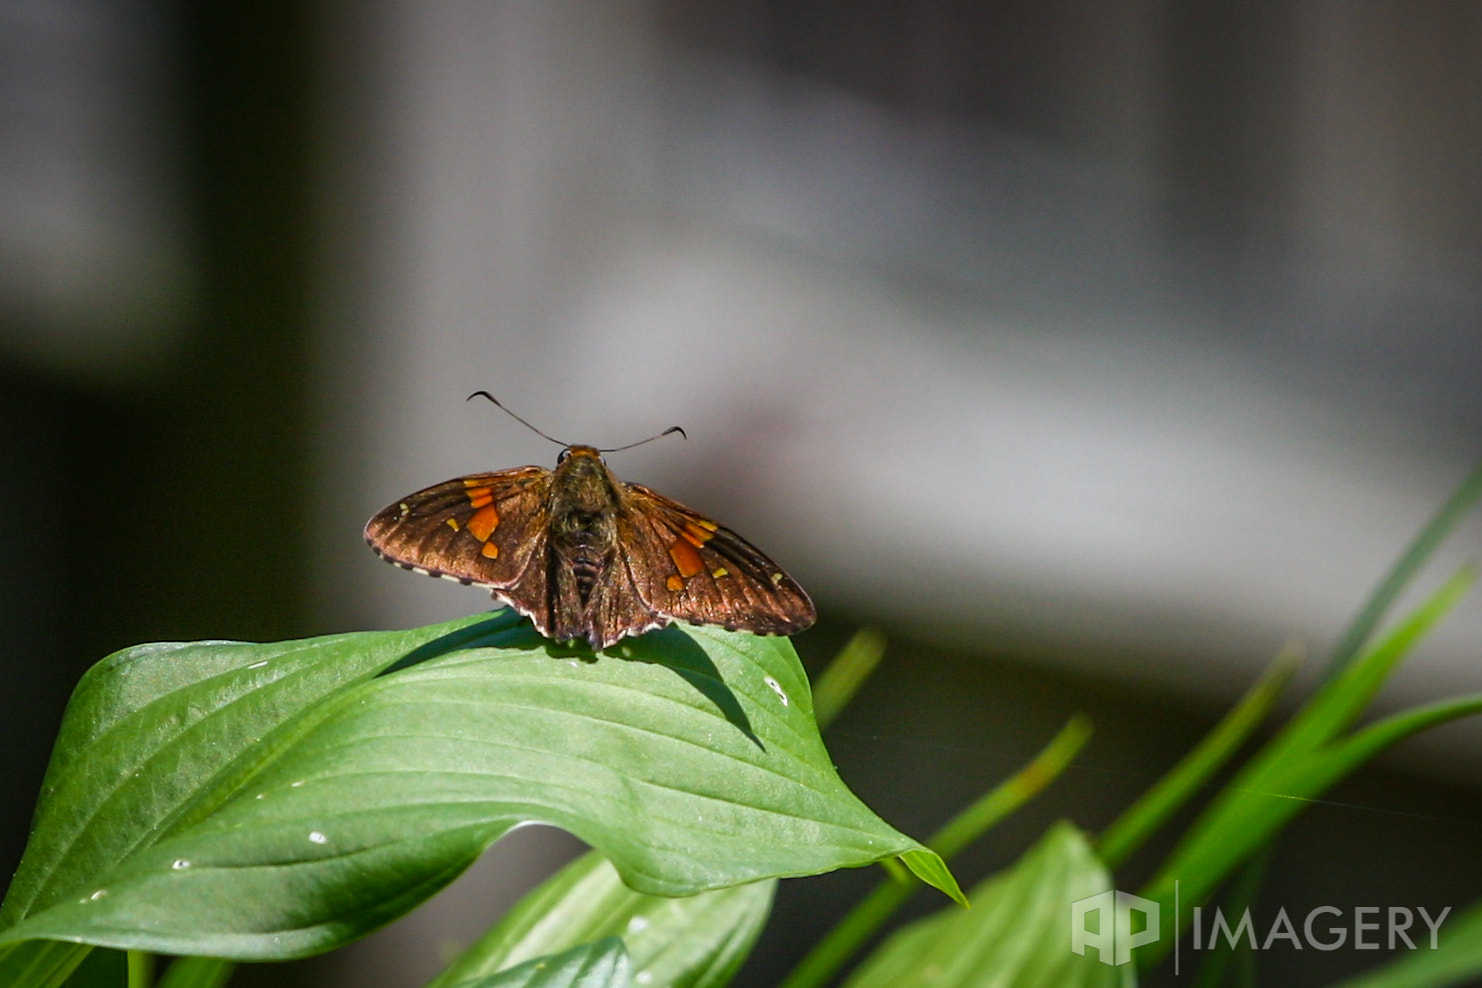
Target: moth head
column 580, row 451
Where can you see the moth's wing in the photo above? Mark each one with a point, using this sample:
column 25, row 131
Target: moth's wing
column 685, row 566
column 484, row 530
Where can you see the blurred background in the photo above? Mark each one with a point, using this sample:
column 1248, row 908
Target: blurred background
column 1089, row 351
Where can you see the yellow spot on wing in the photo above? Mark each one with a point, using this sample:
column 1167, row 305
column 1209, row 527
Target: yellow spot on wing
column 776, row 578
column 453, row 524
column 489, row 550
column 720, row 571
column 483, row 522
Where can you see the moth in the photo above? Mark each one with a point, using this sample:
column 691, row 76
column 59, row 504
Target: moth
column 585, row 555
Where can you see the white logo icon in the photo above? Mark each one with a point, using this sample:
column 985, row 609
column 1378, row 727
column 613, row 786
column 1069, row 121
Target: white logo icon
column 1113, row 939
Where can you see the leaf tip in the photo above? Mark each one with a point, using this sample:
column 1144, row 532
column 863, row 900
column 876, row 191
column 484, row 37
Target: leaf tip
column 930, row 868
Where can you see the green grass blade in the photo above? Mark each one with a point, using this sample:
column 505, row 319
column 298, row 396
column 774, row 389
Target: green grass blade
column 1017, row 933
column 1282, row 775
column 197, row 972
column 1234, row 820
column 835, row 950
column 1194, row 770
column 974, row 821
column 332, row 799
column 140, row 969
column 846, row 674
column 1350, row 752
column 1344, row 698
column 40, row 963
column 1215, row 965
column 831, row 953
column 1302, row 762
column 105, row 969
column 1435, row 532
column 694, row 942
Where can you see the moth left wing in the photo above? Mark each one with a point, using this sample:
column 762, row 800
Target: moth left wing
column 485, row 530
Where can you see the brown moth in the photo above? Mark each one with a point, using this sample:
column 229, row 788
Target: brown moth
column 584, row 555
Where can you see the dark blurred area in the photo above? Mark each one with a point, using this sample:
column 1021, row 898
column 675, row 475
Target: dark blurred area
column 155, row 441
column 1088, row 351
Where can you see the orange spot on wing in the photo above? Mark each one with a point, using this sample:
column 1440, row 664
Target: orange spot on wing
column 483, row 522
column 480, row 496
column 685, row 558
column 489, row 551
column 674, row 583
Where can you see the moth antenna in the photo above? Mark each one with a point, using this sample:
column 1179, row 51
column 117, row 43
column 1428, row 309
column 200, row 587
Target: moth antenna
column 517, row 418
column 660, row 435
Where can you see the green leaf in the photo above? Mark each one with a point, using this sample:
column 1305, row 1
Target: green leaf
column 928, row 866
column 157, row 736
column 603, row 964
column 1017, row 933
column 272, row 801
column 693, row 942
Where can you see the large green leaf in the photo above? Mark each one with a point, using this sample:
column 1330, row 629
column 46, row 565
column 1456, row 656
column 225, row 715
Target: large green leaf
column 694, row 942
column 1017, row 932
column 270, row 801
column 157, row 736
